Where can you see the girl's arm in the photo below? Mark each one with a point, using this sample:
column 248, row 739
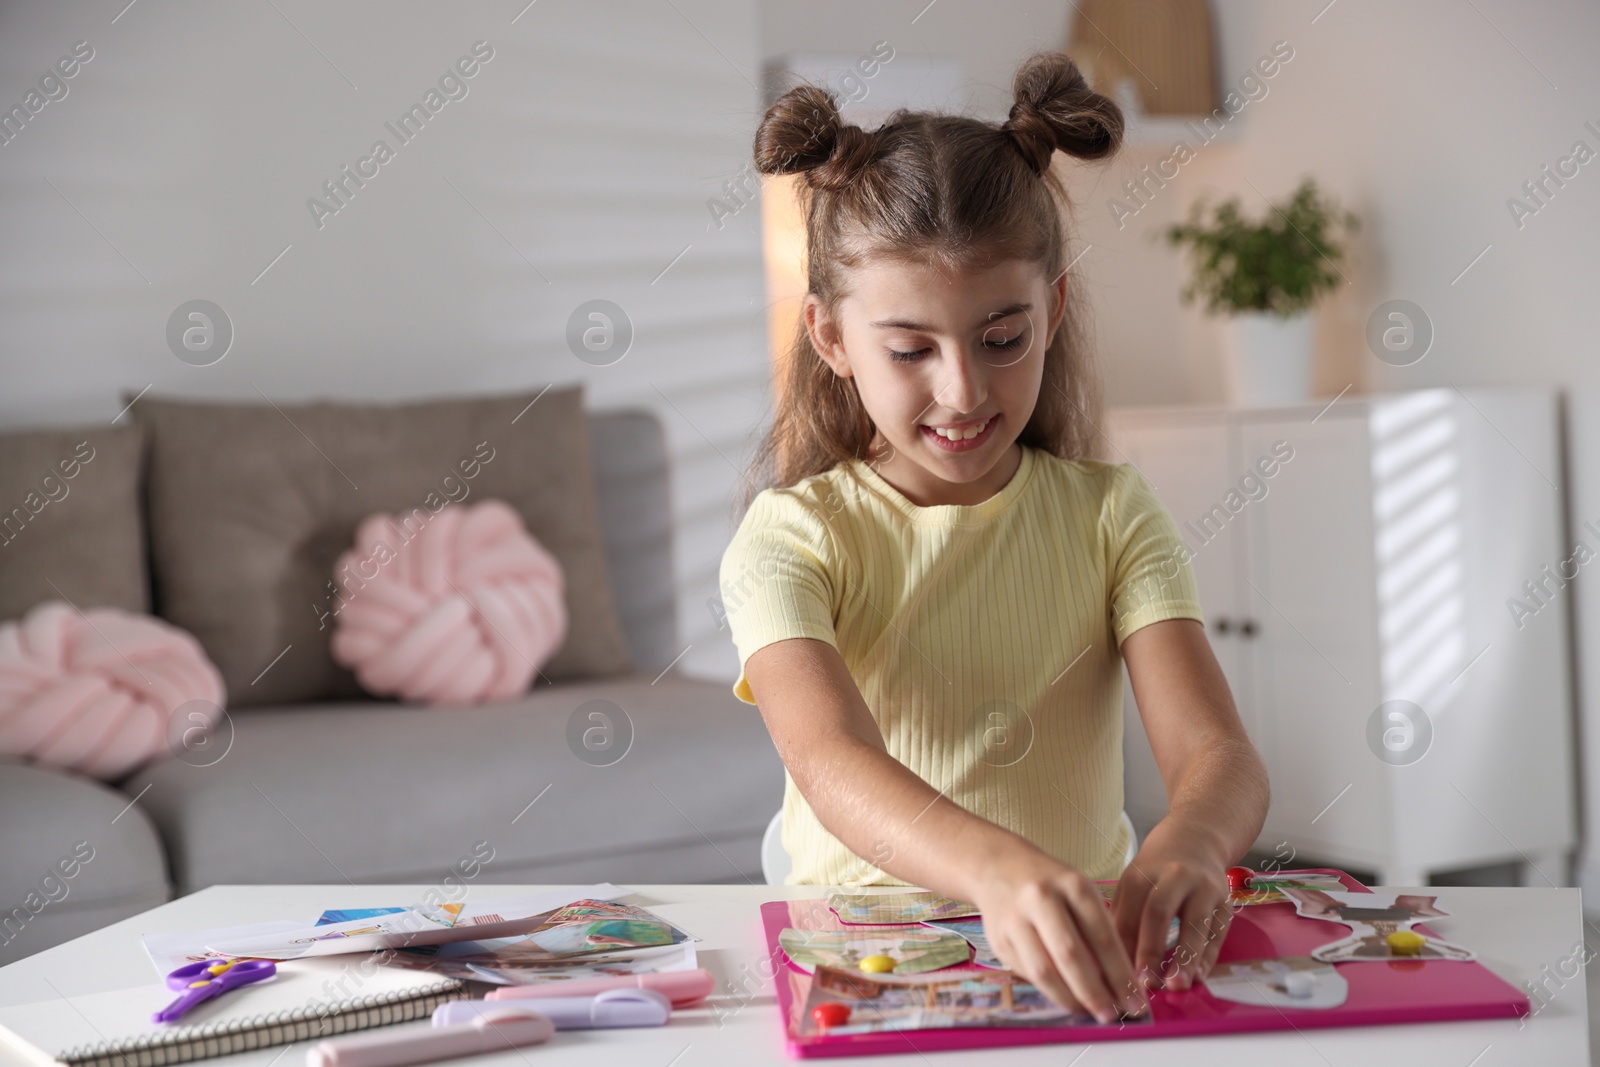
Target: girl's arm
column 1217, row 800
column 1045, row 920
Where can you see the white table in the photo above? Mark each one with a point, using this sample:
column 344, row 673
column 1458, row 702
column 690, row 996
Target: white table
column 1516, row 933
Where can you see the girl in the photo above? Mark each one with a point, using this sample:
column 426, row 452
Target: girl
column 933, row 601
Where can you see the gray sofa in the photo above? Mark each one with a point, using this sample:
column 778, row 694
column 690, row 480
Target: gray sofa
column 381, row 792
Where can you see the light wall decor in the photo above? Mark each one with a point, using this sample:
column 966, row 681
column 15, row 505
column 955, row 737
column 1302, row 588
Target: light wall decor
column 1162, row 49
column 783, row 227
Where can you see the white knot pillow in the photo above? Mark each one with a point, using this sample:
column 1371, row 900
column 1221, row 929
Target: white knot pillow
column 463, row 611
column 97, row 692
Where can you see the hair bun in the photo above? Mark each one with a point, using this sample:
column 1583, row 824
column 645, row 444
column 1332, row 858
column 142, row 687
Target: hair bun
column 1055, row 108
column 803, row 131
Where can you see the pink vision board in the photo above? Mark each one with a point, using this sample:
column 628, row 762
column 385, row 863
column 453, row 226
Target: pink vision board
column 1381, row 992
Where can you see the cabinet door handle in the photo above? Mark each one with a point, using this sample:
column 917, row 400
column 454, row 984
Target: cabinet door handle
column 1222, row 625
column 1248, row 627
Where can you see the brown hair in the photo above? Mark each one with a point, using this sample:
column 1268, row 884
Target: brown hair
column 954, row 192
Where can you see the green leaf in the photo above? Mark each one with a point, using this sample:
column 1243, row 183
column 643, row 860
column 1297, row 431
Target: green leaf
column 1280, row 264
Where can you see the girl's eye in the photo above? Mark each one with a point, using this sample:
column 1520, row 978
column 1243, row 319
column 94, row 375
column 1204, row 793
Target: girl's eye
column 911, row 357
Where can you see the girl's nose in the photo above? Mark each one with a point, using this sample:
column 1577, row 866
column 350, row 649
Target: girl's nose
column 965, row 387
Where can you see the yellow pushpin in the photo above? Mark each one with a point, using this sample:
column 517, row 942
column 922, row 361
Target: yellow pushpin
column 879, row 964
column 1406, row 943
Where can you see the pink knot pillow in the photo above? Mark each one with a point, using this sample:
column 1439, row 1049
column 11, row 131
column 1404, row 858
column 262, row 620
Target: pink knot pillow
column 97, row 692
column 463, row 610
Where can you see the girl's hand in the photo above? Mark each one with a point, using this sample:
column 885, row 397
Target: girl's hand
column 1177, row 872
column 1049, row 923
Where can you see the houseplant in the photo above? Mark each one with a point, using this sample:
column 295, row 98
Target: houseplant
column 1265, row 277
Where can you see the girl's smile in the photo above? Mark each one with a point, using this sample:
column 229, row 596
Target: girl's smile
column 963, row 437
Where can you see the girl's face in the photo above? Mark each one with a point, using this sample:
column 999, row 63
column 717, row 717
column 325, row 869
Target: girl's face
column 948, row 368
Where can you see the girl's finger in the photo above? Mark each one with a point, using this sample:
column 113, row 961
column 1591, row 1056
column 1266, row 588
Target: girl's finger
column 1199, row 929
column 1075, row 957
column 1028, row 956
column 1154, row 922
column 1132, row 890
column 1214, row 921
column 1094, row 922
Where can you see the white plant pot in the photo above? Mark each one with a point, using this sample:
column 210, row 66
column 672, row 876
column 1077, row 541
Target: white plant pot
column 1269, row 358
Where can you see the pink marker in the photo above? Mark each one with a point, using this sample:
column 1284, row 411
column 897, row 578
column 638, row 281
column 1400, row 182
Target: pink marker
column 507, row 1027
column 680, row 987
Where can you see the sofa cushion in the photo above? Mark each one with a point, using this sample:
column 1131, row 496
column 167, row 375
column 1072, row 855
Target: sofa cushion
column 250, row 505
column 402, row 794
column 77, row 856
column 70, row 525
column 102, row 691
column 466, row 613
column 632, row 474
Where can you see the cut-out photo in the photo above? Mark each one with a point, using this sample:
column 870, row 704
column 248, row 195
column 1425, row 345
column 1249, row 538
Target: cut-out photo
column 845, row 1002
column 1289, row 982
column 913, row 950
column 1373, row 917
column 890, row 909
column 972, row 930
column 1268, row 888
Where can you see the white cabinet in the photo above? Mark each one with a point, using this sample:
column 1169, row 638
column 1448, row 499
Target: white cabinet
column 1360, row 568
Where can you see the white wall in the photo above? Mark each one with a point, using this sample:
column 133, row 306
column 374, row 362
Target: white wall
column 578, row 166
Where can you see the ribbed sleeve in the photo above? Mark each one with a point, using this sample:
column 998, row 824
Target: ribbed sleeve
column 777, row 578
column 1151, row 579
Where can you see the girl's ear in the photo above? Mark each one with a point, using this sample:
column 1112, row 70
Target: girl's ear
column 1058, row 305
column 824, row 332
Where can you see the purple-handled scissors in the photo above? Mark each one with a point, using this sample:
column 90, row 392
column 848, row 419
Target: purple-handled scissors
column 204, row 980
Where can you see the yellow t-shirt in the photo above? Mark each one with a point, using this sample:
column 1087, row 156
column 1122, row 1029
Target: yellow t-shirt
column 984, row 638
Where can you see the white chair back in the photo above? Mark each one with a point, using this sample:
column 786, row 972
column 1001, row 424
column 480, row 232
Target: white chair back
column 775, row 862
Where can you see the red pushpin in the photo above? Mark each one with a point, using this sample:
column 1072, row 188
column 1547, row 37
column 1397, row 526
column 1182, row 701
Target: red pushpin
column 830, row 1014
column 1239, row 879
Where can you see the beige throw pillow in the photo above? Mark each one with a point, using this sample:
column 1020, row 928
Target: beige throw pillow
column 69, row 519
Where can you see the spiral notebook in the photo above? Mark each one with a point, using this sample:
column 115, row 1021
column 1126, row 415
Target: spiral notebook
column 307, row 1000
